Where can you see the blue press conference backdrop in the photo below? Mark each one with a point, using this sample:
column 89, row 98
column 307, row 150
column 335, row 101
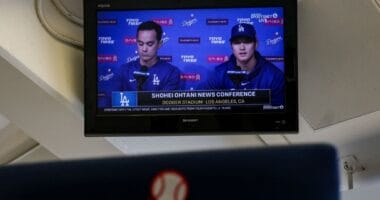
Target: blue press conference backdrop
column 195, row 40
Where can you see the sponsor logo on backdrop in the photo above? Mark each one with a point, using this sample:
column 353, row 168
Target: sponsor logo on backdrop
column 216, row 40
column 244, row 20
column 274, row 58
column 275, row 40
column 165, row 38
column 108, row 76
column 190, row 21
column 130, row 40
column 269, row 19
column 189, row 58
column 107, row 58
column 133, row 21
column 217, row 58
column 133, row 58
column 166, row 58
column 191, row 77
column 133, row 40
column 164, row 21
column 217, row 21
column 106, row 40
column 107, row 21
column 191, row 40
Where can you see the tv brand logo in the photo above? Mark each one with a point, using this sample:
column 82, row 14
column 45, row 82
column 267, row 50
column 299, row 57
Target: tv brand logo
column 130, row 40
column 191, row 77
column 164, row 22
column 189, row 40
column 107, row 21
column 217, row 21
column 190, row 22
column 217, row 58
column 216, row 40
column 124, row 99
column 107, row 58
column 133, row 21
column 133, row 58
column 273, row 41
column 106, row 40
column 189, row 59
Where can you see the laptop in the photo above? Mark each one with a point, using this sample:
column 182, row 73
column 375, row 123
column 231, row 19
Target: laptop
column 305, row 172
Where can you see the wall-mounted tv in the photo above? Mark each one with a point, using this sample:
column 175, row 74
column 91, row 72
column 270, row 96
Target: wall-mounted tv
column 190, row 67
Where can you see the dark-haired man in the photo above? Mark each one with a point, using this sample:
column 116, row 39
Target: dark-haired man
column 254, row 71
column 148, row 73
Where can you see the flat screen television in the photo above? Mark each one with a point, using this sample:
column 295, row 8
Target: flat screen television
column 174, row 67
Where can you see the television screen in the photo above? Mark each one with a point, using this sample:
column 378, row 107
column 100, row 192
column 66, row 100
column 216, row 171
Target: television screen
column 183, row 67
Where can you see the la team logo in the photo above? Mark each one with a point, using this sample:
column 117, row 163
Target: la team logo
column 169, row 185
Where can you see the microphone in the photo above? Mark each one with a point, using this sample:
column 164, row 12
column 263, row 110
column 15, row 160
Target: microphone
column 141, row 76
column 237, row 75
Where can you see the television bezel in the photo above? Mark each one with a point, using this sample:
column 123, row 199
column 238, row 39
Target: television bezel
column 197, row 123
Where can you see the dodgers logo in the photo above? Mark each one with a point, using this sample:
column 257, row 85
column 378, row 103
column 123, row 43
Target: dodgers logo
column 108, row 76
column 190, row 22
column 156, row 80
column 273, row 41
column 241, row 28
column 124, row 99
column 165, row 38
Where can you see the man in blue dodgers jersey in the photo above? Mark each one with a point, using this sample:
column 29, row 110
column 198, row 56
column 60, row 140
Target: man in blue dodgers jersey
column 246, row 68
column 148, row 73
